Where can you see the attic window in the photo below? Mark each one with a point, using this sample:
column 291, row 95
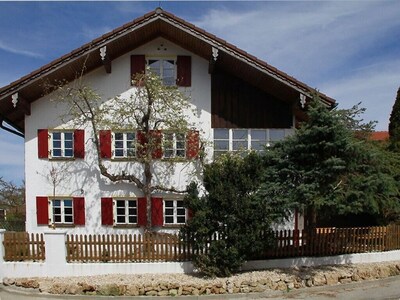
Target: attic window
column 165, row 69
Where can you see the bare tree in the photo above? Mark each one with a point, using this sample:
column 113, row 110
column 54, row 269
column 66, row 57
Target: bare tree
column 12, row 197
column 150, row 108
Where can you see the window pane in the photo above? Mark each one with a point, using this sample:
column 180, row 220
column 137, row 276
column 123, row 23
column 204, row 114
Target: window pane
column 180, row 153
column 169, row 203
column 69, row 153
column 68, row 144
column 154, row 63
column 133, row 220
column 258, row 146
column 57, row 210
column 57, row 219
column 221, row 145
column 168, row 64
column 119, row 136
column 68, row 136
column 169, row 211
column 119, row 152
column 68, row 211
column 181, row 211
column 121, row 211
column 68, row 203
column 119, row 144
column 221, row 134
column 120, row 219
column 258, row 134
column 181, row 220
column 276, row 134
column 56, row 144
column 169, row 220
column 68, row 219
column 240, row 134
column 120, row 203
column 130, row 136
column 239, row 145
column 132, row 203
column 56, row 135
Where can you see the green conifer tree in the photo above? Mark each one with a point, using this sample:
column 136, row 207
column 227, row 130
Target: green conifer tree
column 394, row 125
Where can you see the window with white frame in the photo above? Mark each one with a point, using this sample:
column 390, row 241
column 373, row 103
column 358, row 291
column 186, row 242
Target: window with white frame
column 174, row 212
column 230, row 139
column 62, row 211
column 125, row 211
column 124, row 144
column 174, row 145
column 164, row 68
column 62, row 144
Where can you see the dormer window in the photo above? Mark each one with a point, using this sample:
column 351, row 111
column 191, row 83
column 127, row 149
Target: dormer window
column 164, row 68
column 172, row 70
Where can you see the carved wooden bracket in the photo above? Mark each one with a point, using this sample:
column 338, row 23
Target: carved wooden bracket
column 105, row 59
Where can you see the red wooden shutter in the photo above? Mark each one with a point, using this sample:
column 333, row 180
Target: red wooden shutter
column 42, row 210
column 79, row 210
column 192, row 144
column 184, row 71
column 107, row 211
column 138, row 65
column 79, row 143
column 157, row 217
column 43, row 143
column 190, row 213
column 142, row 211
column 157, row 144
column 142, row 143
column 105, row 143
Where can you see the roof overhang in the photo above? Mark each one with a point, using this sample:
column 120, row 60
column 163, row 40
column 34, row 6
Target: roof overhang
column 134, row 34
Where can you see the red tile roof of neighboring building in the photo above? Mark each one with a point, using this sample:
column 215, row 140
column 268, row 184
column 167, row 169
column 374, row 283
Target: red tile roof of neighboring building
column 379, row 136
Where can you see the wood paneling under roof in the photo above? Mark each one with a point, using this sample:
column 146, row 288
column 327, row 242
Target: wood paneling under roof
column 237, row 104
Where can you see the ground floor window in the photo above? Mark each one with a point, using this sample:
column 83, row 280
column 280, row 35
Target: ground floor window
column 62, row 211
column 174, row 212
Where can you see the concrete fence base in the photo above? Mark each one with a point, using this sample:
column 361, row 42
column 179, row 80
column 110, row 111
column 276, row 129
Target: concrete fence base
column 55, row 264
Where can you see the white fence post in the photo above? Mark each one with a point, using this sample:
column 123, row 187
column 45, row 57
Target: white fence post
column 56, row 252
column 2, row 252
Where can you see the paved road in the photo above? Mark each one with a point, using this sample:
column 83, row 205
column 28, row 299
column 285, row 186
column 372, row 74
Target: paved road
column 384, row 289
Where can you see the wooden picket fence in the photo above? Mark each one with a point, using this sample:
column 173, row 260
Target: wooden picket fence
column 159, row 247
column 156, row 247
column 150, row 247
column 334, row 241
column 22, row 246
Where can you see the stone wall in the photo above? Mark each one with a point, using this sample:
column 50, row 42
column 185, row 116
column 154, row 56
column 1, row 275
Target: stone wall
column 181, row 284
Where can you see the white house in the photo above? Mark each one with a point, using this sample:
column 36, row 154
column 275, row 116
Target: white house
column 240, row 102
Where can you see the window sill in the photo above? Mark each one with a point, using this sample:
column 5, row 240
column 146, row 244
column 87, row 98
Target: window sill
column 173, row 225
column 62, row 158
column 59, row 225
column 125, row 226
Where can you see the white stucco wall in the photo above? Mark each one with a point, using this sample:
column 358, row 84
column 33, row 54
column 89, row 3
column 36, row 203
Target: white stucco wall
column 81, row 178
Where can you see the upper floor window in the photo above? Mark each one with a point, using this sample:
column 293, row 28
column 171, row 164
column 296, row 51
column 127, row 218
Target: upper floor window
column 174, row 70
column 165, row 69
column 246, row 139
column 124, row 144
column 126, row 211
column 174, row 145
column 174, row 212
column 61, row 144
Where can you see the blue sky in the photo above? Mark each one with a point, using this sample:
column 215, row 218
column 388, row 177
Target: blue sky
column 349, row 50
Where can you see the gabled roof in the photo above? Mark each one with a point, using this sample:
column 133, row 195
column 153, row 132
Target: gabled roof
column 138, row 32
